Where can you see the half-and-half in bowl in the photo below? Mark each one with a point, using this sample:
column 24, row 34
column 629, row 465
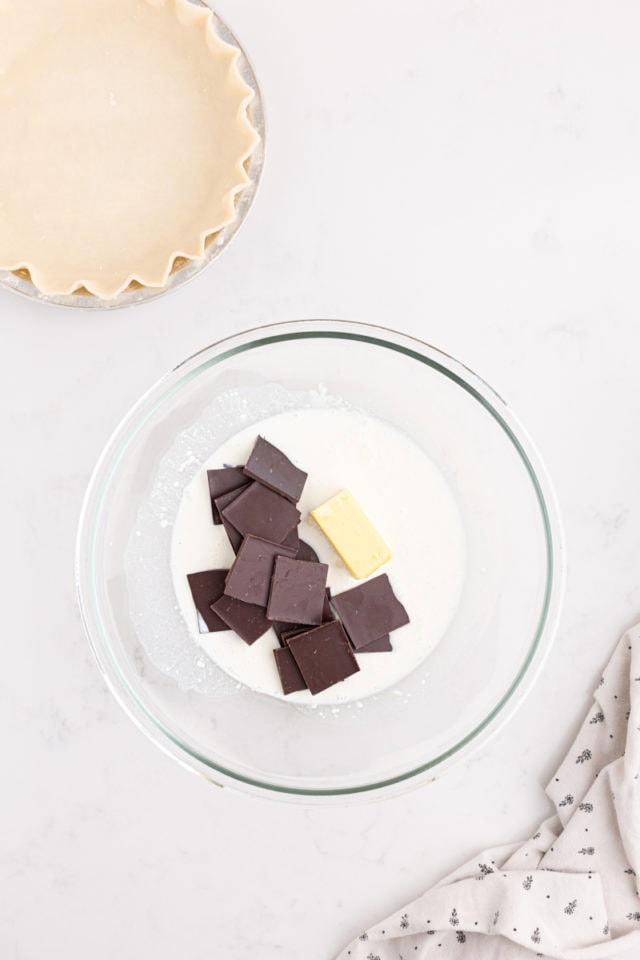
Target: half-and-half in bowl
column 454, row 484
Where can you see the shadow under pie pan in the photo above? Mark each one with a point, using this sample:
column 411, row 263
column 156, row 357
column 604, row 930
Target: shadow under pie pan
column 484, row 663
column 235, row 184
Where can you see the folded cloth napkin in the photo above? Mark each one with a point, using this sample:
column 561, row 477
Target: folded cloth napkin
column 571, row 891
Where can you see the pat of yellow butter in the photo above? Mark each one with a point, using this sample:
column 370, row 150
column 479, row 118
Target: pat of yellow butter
column 351, row 533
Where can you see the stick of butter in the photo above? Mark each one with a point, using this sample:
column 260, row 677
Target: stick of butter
column 351, row 533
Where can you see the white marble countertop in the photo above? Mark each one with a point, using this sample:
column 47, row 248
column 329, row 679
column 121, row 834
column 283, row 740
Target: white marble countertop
column 467, row 172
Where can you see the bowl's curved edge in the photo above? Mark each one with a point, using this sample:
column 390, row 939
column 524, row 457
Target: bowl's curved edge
column 503, row 710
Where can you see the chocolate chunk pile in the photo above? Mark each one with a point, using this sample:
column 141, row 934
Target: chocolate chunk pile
column 277, row 580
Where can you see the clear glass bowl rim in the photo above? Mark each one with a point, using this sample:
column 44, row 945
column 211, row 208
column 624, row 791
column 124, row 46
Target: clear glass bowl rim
column 201, row 361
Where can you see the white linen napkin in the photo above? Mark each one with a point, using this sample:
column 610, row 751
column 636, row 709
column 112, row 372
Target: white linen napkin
column 571, row 891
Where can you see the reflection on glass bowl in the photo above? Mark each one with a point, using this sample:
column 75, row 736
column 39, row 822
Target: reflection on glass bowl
column 485, row 662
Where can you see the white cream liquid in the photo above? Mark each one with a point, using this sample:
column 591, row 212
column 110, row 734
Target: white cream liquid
column 403, row 494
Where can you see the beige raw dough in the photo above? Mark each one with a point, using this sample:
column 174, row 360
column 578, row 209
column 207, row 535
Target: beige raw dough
column 123, row 137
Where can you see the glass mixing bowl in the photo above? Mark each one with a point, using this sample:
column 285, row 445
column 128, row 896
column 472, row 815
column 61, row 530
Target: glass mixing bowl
column 183, row 269
column 482, row 667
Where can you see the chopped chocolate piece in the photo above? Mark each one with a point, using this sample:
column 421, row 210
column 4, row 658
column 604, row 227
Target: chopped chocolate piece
column 279, row 629
column 235, row 538
column 247, row 619
column 284, row 631
column 250, row 576
column 223, row 501
column 224, row 481
column 282, row 628
column 324, row 656
column 207, row 586
column 297, row 591
column 306, row 552
column 261, row 512
column 327, row 612
column 369, row 611
column 292, row 540
column 290, row 634
column 270, row 467
column 381, row 645
column 290, row 676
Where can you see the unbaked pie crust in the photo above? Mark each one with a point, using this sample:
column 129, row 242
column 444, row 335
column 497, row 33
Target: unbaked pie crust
column 124, row 135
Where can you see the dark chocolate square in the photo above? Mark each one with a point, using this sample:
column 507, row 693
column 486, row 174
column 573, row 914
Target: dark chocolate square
column 381, row 645
column 274, row 470
column 287, row 635
column 305, row 552
column 324, row 656
column 284, row 631
column 370, row 611
column 327, row 612
column 290, row 676
column 261, row 512
column 292, row 539
column 224, row 481
column 247, row 619
column 207, row 586
column 297, row 591
column 235, row 538
column 250, row 576
column 287, row 628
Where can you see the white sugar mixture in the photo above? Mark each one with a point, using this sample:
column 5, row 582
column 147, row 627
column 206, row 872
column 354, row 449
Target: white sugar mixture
column 403, row 494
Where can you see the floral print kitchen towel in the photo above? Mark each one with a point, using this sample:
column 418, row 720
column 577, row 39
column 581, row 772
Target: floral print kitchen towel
column 572, row 890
